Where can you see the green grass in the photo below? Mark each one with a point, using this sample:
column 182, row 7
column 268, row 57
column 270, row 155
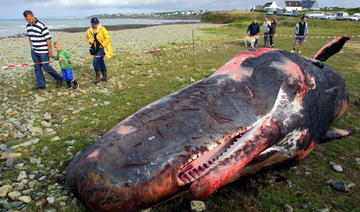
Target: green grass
column 137, row 80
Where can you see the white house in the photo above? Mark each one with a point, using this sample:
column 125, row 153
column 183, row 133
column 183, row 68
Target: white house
column 271, row 6
column 293, row 5
column 289, row 5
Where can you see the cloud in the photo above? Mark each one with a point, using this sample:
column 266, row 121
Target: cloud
column 157, row 4
column 134, row 4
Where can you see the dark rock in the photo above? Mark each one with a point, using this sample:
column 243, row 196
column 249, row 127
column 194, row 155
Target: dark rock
column 10, row 162
column 3, row 201
column 11, row 205
column 339, row 185
column 305, row 204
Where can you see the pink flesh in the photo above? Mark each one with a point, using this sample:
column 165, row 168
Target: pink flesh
column 252, row 144
column 123, row 129
column 94, row 154
column 233, row 68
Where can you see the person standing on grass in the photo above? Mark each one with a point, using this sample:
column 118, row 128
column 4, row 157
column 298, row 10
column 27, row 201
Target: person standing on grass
column 301, row 31
column 41, row 50
column 266, row 27
column 98, row 36
column 253, row 30
column 272, row 31
column 66, row 65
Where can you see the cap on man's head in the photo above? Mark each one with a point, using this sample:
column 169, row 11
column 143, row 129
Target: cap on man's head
column 94, row 20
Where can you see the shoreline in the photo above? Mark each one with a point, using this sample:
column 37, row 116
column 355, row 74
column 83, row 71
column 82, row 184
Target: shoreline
column 108, row 27
column 119, row 27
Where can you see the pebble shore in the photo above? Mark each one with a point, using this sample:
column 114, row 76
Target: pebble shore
column 17, row 49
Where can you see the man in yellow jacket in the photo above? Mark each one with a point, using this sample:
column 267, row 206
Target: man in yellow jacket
column 98, row 36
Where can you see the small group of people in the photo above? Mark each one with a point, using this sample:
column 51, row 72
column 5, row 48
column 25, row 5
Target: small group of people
column 41, row 51
column 269, row 27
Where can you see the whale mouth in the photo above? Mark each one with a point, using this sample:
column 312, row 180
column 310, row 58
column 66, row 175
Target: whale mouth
column 202, row 162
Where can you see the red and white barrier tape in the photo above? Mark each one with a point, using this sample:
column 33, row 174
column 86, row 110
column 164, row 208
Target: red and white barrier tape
column 166, row 49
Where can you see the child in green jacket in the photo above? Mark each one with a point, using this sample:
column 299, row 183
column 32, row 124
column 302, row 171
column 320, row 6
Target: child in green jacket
column 65, row 64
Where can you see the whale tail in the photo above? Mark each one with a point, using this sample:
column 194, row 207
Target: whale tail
column 331, row 48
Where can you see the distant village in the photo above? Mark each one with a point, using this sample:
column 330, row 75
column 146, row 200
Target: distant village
column 290, row 5
column 277, row 5
column 190, row 14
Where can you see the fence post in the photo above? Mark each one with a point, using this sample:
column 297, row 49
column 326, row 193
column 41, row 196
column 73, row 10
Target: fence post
column 193, row 39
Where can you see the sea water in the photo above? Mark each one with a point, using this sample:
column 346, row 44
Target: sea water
column 16, row 27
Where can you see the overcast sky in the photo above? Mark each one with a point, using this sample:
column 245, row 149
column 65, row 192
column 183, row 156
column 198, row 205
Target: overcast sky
column 12, row 9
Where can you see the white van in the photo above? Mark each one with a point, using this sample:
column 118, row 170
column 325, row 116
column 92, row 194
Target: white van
column 314, row 14
column 340, row 16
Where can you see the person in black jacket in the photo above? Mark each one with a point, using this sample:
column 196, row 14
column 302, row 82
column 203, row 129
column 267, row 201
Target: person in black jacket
column 272, row 31
column 254, row 30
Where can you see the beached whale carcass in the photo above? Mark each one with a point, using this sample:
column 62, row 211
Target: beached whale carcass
column 264, row 107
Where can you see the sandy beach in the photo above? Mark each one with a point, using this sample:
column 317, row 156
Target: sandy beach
column 17, row 50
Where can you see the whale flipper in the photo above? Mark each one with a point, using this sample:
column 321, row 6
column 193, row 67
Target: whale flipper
column 335, row 133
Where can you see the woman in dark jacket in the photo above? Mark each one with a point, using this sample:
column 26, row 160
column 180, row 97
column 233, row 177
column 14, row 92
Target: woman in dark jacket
column 272, row 31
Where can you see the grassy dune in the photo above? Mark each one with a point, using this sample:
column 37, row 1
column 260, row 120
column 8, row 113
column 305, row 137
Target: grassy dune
column 84, row 115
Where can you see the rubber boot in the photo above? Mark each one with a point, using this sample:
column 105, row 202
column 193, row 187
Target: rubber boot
column 97, row 77
column 75, row 84
column 68, row 84
column 104, row 76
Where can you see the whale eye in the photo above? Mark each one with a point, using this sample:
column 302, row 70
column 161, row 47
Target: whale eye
column 318, row 64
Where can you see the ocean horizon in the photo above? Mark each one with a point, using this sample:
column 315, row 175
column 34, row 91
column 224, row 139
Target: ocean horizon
column 16, row 27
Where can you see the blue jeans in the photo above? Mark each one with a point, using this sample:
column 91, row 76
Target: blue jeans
column 67, row 74
column 99, row 63
column 267, row 39
column 40, row 79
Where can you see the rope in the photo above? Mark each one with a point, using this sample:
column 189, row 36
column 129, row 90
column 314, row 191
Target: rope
column 168, row 49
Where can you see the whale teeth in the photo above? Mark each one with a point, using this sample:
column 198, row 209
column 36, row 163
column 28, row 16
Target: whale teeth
column 190, row 178
column 212, row 146
column 192, row 174
column 185, row 179
column 196, row 172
